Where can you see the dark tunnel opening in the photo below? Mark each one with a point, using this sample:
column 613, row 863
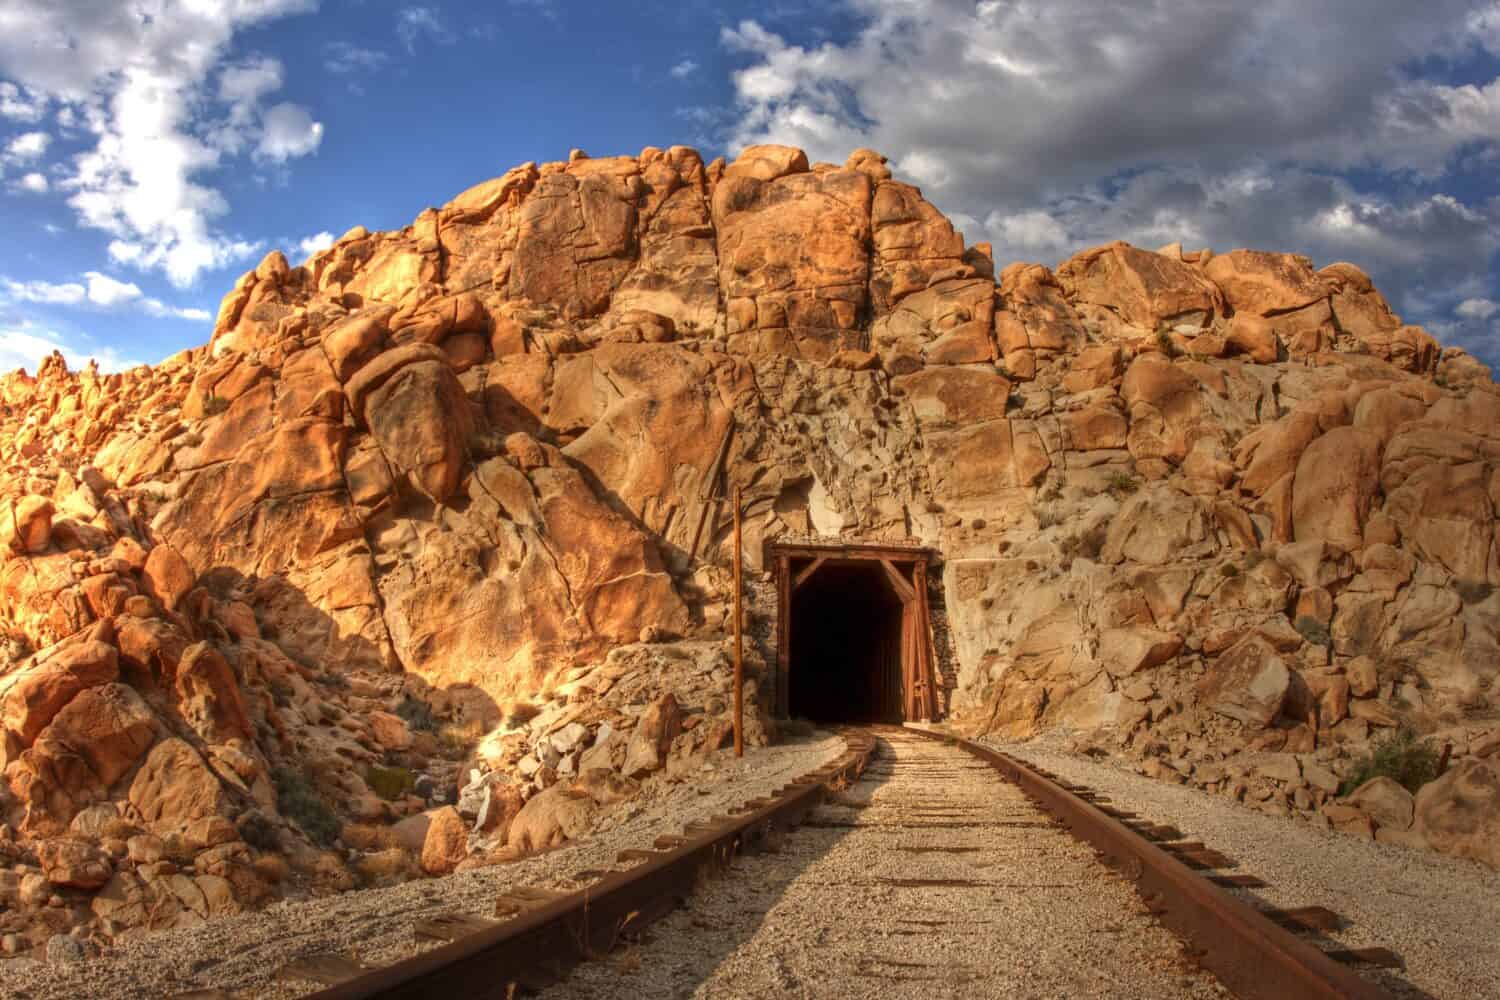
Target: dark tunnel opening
column 846, row 647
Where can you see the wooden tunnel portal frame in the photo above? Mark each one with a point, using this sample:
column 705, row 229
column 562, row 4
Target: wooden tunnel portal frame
column 905, row 569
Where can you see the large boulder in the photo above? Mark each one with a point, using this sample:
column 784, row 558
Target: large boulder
column 31, row 697
column 1145, row 289
column 653, row 736
column 445, row 843
column 175, row 787
column 420, row 416
column 552, row 817
column 27, row 527
column 1459, row 813
column 1249, row 682
column 1337, row 478
column 1385, row 801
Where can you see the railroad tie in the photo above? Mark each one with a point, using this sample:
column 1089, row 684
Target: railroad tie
column 451, row 926
column 327, row 969
column 524, row 898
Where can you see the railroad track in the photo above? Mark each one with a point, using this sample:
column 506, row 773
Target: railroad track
column 918, row 871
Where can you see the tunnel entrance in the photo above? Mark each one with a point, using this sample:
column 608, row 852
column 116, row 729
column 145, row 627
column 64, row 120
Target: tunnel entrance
column 854, row 641
column 846, row 647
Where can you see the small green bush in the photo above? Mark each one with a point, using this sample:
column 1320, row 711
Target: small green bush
column 390, row 783
column 259, row 831
column 1403, row 757
column 300, row 802
column 417, row 714
column 1121, row 483
column 1312, row 630
column 215, row 405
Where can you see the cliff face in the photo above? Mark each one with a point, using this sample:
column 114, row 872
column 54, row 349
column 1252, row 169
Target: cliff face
column 1202, row 501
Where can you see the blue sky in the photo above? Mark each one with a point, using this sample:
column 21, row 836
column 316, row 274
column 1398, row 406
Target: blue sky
column 150, row 151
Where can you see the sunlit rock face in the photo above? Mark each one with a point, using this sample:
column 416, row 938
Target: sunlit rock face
column 1194, row 501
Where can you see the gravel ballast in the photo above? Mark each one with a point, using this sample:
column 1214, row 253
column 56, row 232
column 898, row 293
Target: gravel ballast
column 244, row 953
column 929, row 878
column 1440, row 914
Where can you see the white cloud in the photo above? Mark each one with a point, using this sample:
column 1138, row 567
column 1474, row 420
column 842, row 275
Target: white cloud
column 146, row 84
column 1028, row 234
column 684, row 69
column 414, row 23
column 98, row 291
column 289, row 132
column 33, row 183
column 27, row 147
column 1480, row 309
column 20, row 105
column 26, row 345
column 346, row 58
column 315, row 243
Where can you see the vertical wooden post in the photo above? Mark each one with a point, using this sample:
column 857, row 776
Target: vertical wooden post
column 739, row 638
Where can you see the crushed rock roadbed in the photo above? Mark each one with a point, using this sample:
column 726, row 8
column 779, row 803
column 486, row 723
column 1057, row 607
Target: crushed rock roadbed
column 928, row 879
column 1440, row 914
column 243, row 953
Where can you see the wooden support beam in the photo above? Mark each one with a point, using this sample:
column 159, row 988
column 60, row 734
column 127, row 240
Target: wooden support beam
column 906, row 591
column 808, row 571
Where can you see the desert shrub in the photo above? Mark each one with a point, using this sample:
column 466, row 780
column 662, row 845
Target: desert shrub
column 1164, row 341
column 390, row 783
column 417, row 715
column 336, row 681
column 259, row 831
column 1048, row 517
column 1473, row 591
column 215, row 405
column 369, row 837
column 1312, row 630
column 392, row 862
column 300, row 802
column 281, row 693
column 520, row 712
column 1121, row 483
column 458, row 737
column 1402, row 756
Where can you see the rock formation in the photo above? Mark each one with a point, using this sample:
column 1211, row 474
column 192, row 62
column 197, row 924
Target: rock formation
column 1223, row 513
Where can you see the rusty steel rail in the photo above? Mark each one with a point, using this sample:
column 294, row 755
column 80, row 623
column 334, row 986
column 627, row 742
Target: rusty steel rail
column 1250, row 954
column 537, row 946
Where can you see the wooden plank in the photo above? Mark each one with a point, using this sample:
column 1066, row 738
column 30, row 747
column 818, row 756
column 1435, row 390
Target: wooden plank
column 903, row 589
column 783, row 633
column 1382, row 957
column 326, row 968
column 808, row 571
column 451, row 926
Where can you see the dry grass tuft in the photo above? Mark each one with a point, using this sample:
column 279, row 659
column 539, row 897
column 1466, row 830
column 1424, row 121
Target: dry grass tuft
column 393, row 862
column 369, row 837
column 271, row 867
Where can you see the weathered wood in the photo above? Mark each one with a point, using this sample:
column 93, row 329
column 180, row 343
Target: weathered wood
column 903, row 589
column 807, row 571
column 451, row 926
column 739, row 634
column 326, row 968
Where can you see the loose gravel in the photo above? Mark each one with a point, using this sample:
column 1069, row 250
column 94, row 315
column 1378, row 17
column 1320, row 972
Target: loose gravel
column 929, row 878
column 1440, row 914
column 242, row 954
